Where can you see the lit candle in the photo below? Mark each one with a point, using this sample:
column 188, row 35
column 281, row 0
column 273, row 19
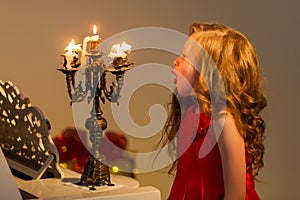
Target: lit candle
column 71, row 53
column 93, row 41
column 74, row 47
column 95, row 37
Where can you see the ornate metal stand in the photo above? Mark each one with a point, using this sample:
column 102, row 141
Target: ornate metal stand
column 95, row 172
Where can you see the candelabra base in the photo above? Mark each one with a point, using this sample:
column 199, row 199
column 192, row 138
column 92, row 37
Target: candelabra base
column 95, row 174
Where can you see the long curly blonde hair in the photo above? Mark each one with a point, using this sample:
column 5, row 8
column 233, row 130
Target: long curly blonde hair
column 237, row 68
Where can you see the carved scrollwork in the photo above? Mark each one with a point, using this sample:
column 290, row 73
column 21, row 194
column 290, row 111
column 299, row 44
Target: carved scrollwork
column 24, row 135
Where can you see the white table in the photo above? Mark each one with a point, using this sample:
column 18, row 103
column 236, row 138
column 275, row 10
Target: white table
column 125, row 188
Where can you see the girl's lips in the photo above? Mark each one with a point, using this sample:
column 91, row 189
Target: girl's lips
column 175, row 80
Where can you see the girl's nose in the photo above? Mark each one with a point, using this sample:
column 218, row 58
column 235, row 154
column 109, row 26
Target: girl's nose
column 176, row 62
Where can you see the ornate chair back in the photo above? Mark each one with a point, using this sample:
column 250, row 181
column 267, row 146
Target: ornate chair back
column 24, row 136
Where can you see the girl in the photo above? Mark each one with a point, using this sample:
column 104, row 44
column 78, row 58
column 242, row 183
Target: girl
column 220, row 136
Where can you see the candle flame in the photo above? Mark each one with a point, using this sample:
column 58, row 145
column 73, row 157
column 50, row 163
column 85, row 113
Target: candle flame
column 95, row 29
column 71, row 45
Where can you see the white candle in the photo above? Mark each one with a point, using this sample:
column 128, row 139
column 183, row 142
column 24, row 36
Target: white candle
column 94, row 40
column 70, row 54
column 118, row 50
column 74, row 47
column 69, row 57
column 84, row 51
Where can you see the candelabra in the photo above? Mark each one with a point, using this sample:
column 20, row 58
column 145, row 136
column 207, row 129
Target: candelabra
column 96, row 173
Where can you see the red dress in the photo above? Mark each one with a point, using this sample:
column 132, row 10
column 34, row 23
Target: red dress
column 201, row 178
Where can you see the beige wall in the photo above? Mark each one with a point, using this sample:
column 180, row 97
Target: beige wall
column 34, row 33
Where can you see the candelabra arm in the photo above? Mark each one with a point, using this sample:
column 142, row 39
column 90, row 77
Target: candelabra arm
column 117, row 87
column 70, row 81
column 70, row 84
column 107, row 93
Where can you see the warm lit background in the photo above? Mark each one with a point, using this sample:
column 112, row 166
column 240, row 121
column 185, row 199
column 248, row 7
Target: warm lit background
column 34, row 34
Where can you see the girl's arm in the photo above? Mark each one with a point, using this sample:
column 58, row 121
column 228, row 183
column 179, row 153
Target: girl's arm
column 232, row 150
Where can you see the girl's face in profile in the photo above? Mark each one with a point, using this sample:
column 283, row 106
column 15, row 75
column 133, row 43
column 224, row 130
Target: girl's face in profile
column 185, row 72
